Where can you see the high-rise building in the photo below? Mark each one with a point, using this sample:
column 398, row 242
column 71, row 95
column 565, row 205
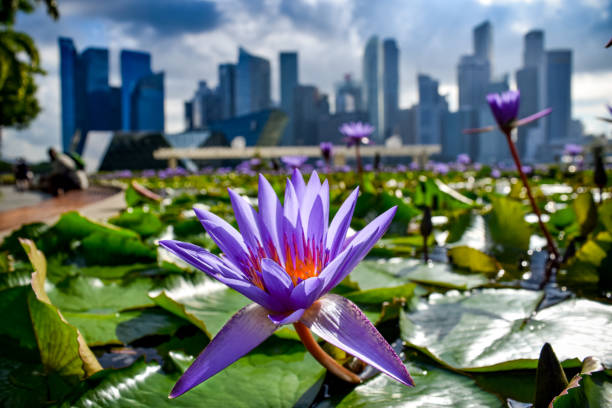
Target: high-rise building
column 533, row 53
column 390, row 85
column 89, row 103
column 527, row 81
column 431, row 108
column 252, row 83
column 147, row 104
column 407, row 125
column 473, row 75
column 558, row 94
column 483, row 43
column 135, row 65
column 454, row 142
column 288, row 81
column 373, row 87
column 348, row 96
column 206, row 106
column 188, row 107
column 381, row 85
column 68, row 71
column 227, row 90
column 306, row 112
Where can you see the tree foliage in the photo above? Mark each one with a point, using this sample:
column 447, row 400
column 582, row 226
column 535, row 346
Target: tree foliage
column 19, row 63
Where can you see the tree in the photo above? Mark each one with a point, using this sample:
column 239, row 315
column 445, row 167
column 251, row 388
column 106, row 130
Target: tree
column 19, row 63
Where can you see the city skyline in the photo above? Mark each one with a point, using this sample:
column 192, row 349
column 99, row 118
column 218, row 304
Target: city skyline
column 302, row 24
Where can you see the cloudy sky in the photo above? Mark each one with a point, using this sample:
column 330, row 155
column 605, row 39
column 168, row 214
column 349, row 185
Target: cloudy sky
column 189, row 38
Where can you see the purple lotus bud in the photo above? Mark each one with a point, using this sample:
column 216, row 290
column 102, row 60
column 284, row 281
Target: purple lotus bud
column 505, row 108
column 356, row 132
column 463, row 159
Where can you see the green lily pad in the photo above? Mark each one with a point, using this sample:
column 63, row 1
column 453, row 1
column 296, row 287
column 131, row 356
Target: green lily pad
column 206, row 303
column 85, row 294
column 434, row 386
column 507, row 224
column 145, row 223
column 473, row 259
column 442, row 275
column 281, row 374
column 100, row 329
column 491, row 329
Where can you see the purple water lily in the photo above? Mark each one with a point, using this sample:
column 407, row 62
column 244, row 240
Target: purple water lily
column 572, row 149
column 505, row 109
column 286, row 259
column 327, row 150
column 294, row 162
column 356, row 132
column 463, row 159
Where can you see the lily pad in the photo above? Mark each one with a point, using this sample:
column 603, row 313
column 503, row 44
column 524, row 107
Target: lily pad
column 473, row 259
column 278, row 374
column 204, row 302
column 434, row 386
column 507, row 224
column 494, row 330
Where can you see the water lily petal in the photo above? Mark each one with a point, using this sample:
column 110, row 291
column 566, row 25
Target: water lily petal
column 243, row 332
column 316, row 224
column 270, row 217
column 292, row 206
column 310, row 195
column 216, row 268
column 298, row 184
column 246, row 217
column 286, row 318
column 340, row 224
column 277, row 282
column 359, row 246
column 224, row 235
column 340, row 322
column 306, row 292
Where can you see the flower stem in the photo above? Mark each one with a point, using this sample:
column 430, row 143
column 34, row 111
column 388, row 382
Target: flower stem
column 552, row 248
column 359, row 165
column 322, row 357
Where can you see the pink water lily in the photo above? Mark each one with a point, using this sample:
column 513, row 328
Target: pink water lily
column 286, row 259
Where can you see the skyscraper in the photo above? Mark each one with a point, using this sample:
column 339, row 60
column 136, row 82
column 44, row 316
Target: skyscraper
column 528, row 83
column 306, row 113
column 533, row 53
column 288, row 82
column 227, row 90
column 390, row 85
column 252, row 83
column 483, row 43
column 134, row 66
column 430, row 111
column 473, row 75
column 206, row 106
column 348, row 96
column 381, row 85
column 373, row 86
column 68, row 69
column 90, row 103
column 147, row 104
column 558, row 94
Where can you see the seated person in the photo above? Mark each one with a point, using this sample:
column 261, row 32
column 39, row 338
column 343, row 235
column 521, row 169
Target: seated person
column 23, row 175
column 65, row 174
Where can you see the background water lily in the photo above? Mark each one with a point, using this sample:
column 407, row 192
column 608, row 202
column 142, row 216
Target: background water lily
column 286, row 259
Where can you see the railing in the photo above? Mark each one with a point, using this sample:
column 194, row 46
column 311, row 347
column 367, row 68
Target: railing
column 420, row 152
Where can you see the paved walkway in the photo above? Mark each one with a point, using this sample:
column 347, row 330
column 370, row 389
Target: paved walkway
column 98, row 203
